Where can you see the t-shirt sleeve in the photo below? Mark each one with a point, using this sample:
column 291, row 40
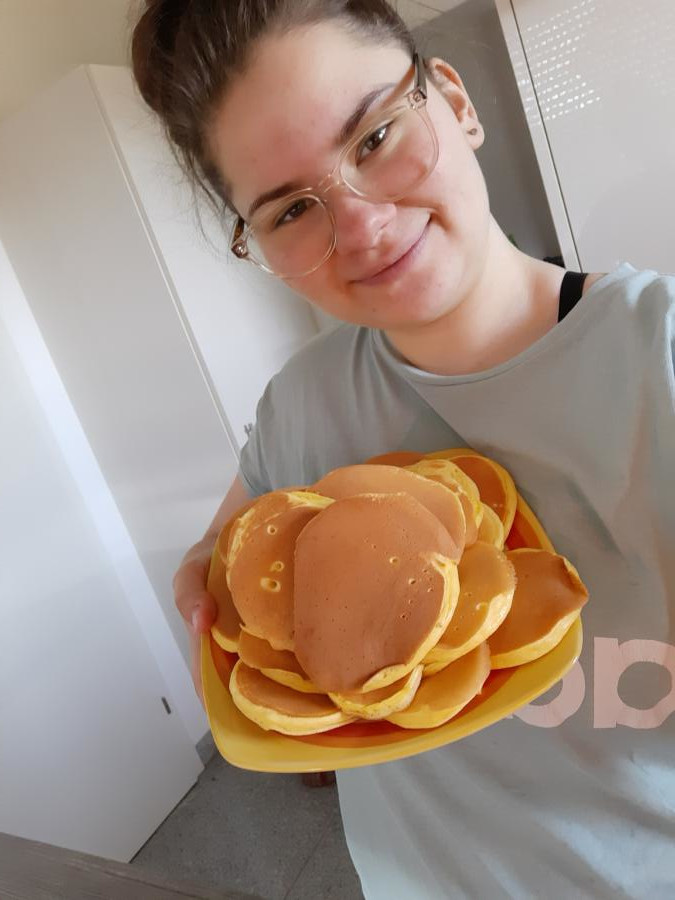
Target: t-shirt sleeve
column 297, row 437
column 253, row 469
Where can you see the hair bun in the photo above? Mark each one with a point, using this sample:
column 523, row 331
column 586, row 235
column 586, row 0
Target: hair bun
column 153, row 45
column 168, row 6
column 166, row 15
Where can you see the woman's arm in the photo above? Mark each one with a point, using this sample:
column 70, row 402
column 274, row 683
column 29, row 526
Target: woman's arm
column 195, row 604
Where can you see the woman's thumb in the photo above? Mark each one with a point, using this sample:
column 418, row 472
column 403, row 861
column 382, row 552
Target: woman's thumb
column 203, row 613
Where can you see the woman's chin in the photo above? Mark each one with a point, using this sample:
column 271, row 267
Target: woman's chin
column 421, row 300
column 420, row 296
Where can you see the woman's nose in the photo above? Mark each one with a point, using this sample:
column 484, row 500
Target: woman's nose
column 358, row 222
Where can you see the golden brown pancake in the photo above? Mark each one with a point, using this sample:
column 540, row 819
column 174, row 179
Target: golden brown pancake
column 549, row 596
column 491, row 529
column 260, row 562
column 374, row 590
column 434, row 668
column 399, row 458
column 496, row 486
column 279, row 665
column 383, row 702
column 276, row 707
column 261, row 512
column 366, row 479
column 487, row 583
column 447, row 473
column 442, row 696
column 226, row 627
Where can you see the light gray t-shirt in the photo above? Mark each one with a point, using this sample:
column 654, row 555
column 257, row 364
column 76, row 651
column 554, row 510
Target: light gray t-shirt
column 574, row 795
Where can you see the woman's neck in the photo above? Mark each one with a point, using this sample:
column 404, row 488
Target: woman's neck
column 509, row 306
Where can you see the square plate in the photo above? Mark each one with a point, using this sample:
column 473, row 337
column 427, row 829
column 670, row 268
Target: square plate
column 244, row 744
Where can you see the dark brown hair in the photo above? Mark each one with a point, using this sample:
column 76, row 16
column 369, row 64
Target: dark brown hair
column 185, row 52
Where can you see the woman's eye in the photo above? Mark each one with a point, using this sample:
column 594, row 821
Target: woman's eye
column 373, row 141
column 293, row 212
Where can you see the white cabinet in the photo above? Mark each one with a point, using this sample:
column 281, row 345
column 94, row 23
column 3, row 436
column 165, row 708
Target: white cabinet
column 597, row 81
column 163, row 346
column 91, row 758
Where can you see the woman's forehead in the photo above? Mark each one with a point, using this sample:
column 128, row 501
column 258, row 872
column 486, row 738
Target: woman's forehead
column 281, row 117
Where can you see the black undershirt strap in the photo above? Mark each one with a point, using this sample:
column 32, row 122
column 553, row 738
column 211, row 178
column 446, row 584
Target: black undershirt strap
column 571, row 290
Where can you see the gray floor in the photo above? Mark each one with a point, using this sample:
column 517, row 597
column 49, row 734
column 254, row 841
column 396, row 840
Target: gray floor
column 267, row 835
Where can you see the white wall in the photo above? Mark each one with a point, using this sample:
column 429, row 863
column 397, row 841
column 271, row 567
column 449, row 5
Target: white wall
column 470, row 39
column 41, row 40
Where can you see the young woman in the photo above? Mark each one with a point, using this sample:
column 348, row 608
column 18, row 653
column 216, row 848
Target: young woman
column 349, row 165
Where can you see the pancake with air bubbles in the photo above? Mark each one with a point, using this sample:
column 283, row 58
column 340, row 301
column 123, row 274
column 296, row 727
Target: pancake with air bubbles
column 487, row 584
column 437, row 498
column 275, row 707
column 227, row 625
column 440, row 697
column 450, row 475
column 279, row 665
column 496, row 486
column 549, row 597
column 260, row 562
column 383, row 702
column 374, row 590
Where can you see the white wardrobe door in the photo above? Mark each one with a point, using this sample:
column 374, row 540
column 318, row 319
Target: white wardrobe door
column 90, row 759
column 90, row 273
column 604, row 76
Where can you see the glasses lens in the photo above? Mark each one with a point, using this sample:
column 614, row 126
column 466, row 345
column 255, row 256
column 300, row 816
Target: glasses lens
column 294, row 237
column 394, row 157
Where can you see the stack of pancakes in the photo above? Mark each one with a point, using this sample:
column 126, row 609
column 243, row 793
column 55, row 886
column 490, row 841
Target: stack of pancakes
column 383, row 591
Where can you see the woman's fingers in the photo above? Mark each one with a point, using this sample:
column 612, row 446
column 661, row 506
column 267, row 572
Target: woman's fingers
column 194, row 603
column 197, row 607
column 203, row 612
column 195, row 663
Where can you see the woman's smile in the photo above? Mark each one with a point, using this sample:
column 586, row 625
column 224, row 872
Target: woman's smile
column 403, row 259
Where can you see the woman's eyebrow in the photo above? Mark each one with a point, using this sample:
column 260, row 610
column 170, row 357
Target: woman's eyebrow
column 362, row 108
column 344, row 135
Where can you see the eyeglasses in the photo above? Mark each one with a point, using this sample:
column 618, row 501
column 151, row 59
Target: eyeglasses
column 391, row 155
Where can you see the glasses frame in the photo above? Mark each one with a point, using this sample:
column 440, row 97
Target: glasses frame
column 416, row 100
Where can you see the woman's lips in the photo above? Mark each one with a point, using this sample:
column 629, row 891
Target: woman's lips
column 402, row 264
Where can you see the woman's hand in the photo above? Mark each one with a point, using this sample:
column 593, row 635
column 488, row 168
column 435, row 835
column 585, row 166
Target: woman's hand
column 195, row 604
column 197, row 607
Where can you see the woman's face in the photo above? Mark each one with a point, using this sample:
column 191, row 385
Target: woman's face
column 396, row 265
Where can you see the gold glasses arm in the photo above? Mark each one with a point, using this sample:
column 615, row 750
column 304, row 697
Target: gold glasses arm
column 418, row 96
column 238, row 242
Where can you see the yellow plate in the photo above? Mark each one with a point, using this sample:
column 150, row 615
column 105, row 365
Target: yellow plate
column 365, row 743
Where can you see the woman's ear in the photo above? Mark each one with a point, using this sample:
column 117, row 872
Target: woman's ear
column 451, row 87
